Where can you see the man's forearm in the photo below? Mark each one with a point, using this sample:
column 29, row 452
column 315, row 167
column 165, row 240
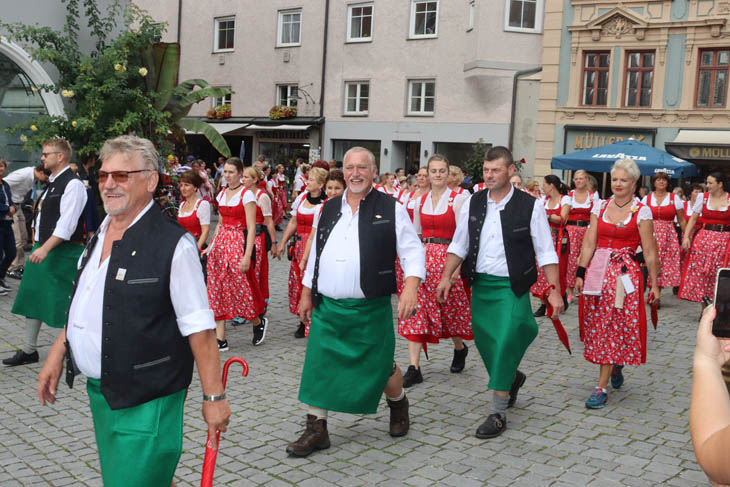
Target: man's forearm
column 205, row 352
column 452, row 262
column 52, row 243
column 553, row 275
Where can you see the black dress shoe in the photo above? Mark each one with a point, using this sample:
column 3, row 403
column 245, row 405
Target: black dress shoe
column 565, row 303
column 457, row 364
column 21, row 358
column 300, row 331
column 492, row 427
column 540, row 311
column 516, row 384
column 412, row 376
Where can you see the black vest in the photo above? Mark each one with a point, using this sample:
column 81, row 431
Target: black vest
column 376, row 227
column 518, row 249
column 51, row 209
column 143, row 354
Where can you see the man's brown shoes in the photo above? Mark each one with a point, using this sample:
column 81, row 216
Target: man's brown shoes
column 399, row 422
column 315, row 437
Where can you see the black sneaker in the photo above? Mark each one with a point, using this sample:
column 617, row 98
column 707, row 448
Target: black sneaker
column 514, row 389
column 540, row 311
column 459, row 361
column 4, row 286
column 21, row 358
column 16, row 274
column 259, row 332
column 222, row 345
column 3, row 292
column 412, row 376
column 300, row 331
column 492, row 427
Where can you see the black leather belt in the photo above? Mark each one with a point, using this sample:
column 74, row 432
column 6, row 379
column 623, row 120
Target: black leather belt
column 579, row 223
column 434, row 240
column 717, row 228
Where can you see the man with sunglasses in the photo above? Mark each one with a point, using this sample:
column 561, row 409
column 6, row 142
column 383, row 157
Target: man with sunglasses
column 58, row 236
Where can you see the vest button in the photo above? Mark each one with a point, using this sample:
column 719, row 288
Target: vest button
column 107, row 323
column 106, row 356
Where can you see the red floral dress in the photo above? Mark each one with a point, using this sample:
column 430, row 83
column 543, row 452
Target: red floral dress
column 611, row 335
column 578, row 220
column 305, row 218
column 280, row 195
column 709, row 252
column 668, row 249
column 232, row 294
column 434, row 320
column 261, row 270
column 541, row 285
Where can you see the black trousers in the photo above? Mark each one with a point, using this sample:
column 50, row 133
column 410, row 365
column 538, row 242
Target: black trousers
column 7, row 246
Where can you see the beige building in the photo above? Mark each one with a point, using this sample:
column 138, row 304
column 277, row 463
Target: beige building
column 406, row 78
column 656, row 71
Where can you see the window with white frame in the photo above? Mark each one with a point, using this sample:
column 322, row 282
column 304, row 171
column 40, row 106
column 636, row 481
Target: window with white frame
column 421, row 96
column 287, row 95
column 224, row 100
column 360, row 22
column 357, row 97
column 424, row 19
column 225, row 31
column 523, row 15
column 290, row 28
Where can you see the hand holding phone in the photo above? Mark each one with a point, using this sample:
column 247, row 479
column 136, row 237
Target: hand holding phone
column 721, row 323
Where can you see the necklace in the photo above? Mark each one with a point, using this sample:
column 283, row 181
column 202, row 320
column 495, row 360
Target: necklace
column 233, row 189
column 621, row 206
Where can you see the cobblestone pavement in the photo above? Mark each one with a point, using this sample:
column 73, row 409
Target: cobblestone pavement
column 639, row 439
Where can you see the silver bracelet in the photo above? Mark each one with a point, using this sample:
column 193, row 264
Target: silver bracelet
column 214, row 397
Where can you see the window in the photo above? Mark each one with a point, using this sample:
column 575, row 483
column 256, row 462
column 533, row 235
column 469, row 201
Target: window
column 421, row 97
column 595, row 78
column 470, row 21
column 639, row 79
column 424, row 19
column 523, row 15
column 224, row 100
column 712, row 78
column 290, row 28
column 357, row 98
column 360, row 22
column 287, row 95
column 225, row 30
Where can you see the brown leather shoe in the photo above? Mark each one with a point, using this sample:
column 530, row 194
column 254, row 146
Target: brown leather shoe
column 315, row 437
column 399, row 421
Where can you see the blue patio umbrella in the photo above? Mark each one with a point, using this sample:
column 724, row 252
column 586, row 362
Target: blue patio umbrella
column 649, row 159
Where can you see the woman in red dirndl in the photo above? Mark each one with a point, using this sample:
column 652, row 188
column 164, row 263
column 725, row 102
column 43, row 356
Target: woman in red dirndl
column 303, row 210
column 576, row 212
column 688, row 212
column 194, row 213
column 665, row 207
column 232, row 289
column 710, row 247
column 280, row 194
column 435, row 220
column 613, row 315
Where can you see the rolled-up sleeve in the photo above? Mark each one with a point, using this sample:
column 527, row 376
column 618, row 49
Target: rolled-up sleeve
column 187, row 289
column 542, row 240
column 459, row 245
column 409, row 247
column 73, row 202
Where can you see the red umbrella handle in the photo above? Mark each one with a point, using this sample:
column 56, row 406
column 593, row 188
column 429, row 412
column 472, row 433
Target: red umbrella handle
column 227, row 365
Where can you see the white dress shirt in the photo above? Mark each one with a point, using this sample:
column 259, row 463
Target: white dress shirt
column 73, row 202
column 491, row 258
column 339, row 264
column 20, row 181
column 187, row 292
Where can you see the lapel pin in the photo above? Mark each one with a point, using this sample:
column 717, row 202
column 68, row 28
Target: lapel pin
column 121, row 272
column 378, row 216
column 134, row 252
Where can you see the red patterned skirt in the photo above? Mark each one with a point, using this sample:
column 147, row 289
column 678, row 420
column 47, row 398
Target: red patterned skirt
column 706, row 256
column 541, row 285
column 279, row 206
column 575, row 242
column 295, row 275
column 230, row 293
column 434, row 320
column 261, row 271
column 669, row 253
column 615, row 336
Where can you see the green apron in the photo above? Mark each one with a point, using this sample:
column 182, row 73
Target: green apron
column 138, row 446
column 503, row 326
column 349, row 355
column 45, row 290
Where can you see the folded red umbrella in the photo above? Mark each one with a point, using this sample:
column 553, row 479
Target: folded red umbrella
column 559, row 328
column 654, row 304
column 211, row 452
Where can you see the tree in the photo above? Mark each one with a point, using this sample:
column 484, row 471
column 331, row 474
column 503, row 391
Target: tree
column 127, row 84
column 474, row 163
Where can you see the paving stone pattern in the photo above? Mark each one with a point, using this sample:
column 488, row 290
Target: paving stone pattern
column 640, row 438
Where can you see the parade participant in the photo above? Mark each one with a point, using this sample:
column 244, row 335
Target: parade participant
column 232, row 287
column 349, row 360
column 709, row 249
column 387, row 184
column 516, row 180
column 194, row 213
column 456, row 177
column 59, row 241
column 533, row 189
column 303, row 210
column 576, row 212
column 423, row 186
column 614, row 315
column 497, row 234
column 150, row 295
column 21, row 182
column 554, row 190
column 264, row 231
column 7, row 239
column 665, row 208
column 398, row 176
column 281, row 198
column 300, row 182
column 435, row 221
column 593, row 184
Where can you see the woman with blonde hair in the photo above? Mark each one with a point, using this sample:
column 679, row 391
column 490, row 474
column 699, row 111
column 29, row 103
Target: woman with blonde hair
column 456, row 177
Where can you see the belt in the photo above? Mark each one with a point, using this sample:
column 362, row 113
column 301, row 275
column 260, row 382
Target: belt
column 717, row 228
column 434, row 240
column 579, row 223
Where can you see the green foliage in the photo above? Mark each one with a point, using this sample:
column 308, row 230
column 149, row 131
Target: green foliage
column 473, row 164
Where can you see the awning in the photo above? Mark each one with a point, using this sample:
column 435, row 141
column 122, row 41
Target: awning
column 222, row 128
column 701, row 145
column 277, row 127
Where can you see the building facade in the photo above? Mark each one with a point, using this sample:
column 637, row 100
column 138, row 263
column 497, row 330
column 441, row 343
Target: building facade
column 655, row 71
column 405, row 79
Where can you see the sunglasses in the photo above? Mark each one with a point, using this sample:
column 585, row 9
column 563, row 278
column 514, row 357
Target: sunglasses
column 118, row 176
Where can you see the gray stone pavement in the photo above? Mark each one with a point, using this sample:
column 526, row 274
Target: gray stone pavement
column 639, row 439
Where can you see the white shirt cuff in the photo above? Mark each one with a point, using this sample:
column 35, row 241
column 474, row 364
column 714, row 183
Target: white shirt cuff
column 547, row 258
column 63, row 234
column 196, row 321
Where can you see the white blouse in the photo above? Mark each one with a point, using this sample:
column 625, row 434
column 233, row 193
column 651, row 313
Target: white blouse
column 203, row 208
column 573, row 203
column 644, row 213
column 441, row 207
column 697, row 208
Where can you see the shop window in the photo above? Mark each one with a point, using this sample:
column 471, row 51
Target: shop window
column 424, row 19
column 712, row 78
column 225, row 30
column 357, row 97
column 595, row 78
column 287, row 95
column 289, row 28
column 360, row 22
column 523, row 15
column 639, row 78
column 421, row 97
column 340, row 147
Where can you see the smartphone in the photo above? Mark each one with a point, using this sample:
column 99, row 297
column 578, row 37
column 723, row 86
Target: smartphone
column 721, row 324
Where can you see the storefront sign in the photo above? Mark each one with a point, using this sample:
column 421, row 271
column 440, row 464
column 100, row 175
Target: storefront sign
column 700, row 152
column 590, row 139
column 283, row 134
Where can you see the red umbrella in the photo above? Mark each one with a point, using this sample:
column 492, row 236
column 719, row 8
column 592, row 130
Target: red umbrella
column 559, row 329
column 654, row 310
column 210, row 452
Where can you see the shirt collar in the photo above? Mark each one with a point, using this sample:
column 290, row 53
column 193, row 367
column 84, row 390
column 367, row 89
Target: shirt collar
column 344, row 198
column 504, row 200
column 52, row 178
